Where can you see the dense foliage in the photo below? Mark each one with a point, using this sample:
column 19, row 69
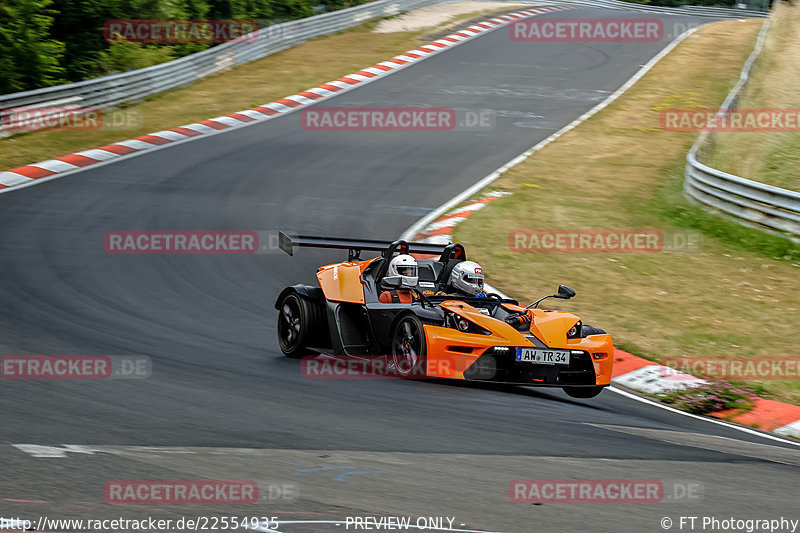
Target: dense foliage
column 49, row 42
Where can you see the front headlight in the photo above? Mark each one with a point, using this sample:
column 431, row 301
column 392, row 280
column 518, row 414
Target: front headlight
column 455, row 321
column 575, row 331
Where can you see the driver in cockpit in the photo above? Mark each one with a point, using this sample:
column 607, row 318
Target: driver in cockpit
column 466, row 279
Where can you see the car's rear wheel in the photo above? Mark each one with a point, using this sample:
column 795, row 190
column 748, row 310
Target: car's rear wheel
column 583, row 392
column 296, row 319
column 408, row 347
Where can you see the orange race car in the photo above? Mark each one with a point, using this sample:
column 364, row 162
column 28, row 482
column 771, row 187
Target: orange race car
column 434, row 334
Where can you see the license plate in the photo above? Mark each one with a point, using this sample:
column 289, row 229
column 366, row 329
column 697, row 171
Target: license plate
column 543, row 357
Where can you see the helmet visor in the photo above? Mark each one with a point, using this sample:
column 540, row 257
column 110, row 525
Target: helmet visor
column 475, row 281
column 407, row 270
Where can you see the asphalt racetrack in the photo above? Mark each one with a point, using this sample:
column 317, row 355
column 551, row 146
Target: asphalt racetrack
column 222, row 401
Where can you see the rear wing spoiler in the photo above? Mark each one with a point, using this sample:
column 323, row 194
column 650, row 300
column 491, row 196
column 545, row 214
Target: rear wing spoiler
column 355, row 246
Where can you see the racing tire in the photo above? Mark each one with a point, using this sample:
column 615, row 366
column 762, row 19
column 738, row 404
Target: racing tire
column 409, row 348
column 297, row 320
column 583, row 392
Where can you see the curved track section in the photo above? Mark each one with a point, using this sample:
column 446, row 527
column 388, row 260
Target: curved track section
column 222, row 403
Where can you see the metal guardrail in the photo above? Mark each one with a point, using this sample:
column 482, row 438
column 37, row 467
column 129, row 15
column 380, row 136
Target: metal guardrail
column 697, row 11
column 750, row 202
column 138, row 84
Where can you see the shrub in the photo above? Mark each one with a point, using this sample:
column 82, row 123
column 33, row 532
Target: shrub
column 710, row 398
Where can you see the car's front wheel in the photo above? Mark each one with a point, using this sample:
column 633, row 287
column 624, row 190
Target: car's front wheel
column 583, row 392
column 295, row 322
column 408, row 347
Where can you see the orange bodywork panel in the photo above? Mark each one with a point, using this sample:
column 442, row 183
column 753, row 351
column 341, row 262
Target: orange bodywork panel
column 443, row 361
column 552, row 326
column 341, row 282
column 450, row 352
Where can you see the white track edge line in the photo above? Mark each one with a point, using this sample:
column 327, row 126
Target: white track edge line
column 738, row 427
column 416, row 228
column 131, row 155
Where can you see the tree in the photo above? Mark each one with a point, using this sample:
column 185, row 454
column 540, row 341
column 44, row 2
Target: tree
column 79, row 25
column 29, row 57
column 47, row 42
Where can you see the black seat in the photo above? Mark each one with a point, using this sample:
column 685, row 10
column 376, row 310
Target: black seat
column 429, row 271
column 452, row 255
column 400, row 246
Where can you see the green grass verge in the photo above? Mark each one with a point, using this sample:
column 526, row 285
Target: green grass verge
column 772, row 158
column 671, row 205
column 736, row 295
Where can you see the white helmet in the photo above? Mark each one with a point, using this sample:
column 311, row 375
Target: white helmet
column 467, row 277
column 406, row 266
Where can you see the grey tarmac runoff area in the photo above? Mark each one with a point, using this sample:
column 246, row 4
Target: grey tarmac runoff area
column 222, row 403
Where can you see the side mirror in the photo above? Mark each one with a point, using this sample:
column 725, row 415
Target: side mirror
column 564, row 292
column 391, row 283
